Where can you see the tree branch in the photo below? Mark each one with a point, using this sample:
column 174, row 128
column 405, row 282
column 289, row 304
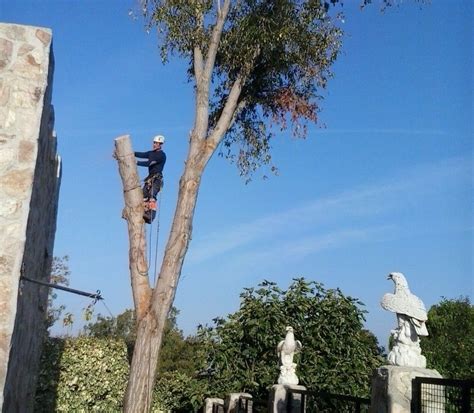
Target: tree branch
column 231, row 107
column 215, row 38
column 201, row 121
column 198, row 65
column 198, row 58
column 227, row 115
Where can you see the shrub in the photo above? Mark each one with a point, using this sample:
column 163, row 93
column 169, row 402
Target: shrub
column 82, row 375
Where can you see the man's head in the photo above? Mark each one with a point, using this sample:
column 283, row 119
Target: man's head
column 158, row 140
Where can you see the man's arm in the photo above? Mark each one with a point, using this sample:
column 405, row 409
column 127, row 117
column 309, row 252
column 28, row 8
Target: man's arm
column 160, row 157
column 142, row 155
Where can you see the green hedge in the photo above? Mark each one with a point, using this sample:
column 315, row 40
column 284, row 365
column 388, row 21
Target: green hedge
column 88, row 374
column 82, row 375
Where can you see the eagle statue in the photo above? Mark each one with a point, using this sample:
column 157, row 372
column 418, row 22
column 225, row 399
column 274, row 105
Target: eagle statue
column 288, row 347
column 403, row 302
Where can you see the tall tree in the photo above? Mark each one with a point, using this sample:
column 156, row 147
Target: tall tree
column 449, row 348
column 255, row 65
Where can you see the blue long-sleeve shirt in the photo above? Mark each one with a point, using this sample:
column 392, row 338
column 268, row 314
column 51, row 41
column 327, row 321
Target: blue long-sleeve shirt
column 155, row 160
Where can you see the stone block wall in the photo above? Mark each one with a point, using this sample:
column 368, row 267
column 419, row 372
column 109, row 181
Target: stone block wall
column 29, row 188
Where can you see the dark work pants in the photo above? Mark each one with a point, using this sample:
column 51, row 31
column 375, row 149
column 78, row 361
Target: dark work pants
column 153, row 185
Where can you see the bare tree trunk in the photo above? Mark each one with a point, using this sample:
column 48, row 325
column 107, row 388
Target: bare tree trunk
column 152, row 309
column 133, row 214
column 139, row 393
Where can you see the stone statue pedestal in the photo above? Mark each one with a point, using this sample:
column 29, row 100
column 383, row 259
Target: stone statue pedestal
column 231, row 403
column 281, row 396
column 392, row 390
column 210, row 403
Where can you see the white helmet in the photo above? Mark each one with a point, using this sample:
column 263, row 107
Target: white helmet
column 159, row 139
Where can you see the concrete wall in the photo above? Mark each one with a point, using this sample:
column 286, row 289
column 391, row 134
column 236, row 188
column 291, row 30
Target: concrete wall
column 29, row 186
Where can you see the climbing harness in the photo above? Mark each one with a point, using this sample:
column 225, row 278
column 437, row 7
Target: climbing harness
column 151, row 187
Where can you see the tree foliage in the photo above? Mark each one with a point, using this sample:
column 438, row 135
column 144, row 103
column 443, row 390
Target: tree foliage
column 449, row 348
column 178, row 354
column 122, row 327
column 180, row 393
column 59, row 275
column 279, row 52
column 337, row 355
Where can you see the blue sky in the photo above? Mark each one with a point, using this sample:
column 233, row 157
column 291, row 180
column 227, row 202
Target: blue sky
column 386, row 185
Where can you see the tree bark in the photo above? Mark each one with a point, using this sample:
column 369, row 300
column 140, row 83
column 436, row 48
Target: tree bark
column 153, row 305
column 133, row 214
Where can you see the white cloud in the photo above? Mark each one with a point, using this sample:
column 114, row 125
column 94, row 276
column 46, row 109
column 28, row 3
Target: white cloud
column 293, row 250
column 386, row 131
column 369, row 201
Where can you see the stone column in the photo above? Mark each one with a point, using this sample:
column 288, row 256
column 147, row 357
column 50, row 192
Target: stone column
column 29, row 185
column 392, row 389
column 212, row 403
column 283, row 395
column 232, row 402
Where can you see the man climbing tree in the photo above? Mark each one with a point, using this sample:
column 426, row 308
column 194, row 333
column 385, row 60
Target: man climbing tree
column 155, row 161
column 254, row 64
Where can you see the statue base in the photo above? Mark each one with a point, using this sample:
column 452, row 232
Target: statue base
column 214, row 404
column 286, row 398
column 392, row 390
column 231, row 403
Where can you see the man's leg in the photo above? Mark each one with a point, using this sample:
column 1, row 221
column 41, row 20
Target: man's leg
column 147, row 189
column 156, row 186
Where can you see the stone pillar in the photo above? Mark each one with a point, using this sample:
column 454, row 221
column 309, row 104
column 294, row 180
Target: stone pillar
column 29, row 186
column 282, row 395
column 392, row 389
column 212, row 403
column 232, row 402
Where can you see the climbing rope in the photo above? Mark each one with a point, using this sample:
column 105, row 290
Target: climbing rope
column 152, row 257
column 158, row 206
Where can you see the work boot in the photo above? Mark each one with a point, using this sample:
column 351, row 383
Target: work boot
column 150, row 210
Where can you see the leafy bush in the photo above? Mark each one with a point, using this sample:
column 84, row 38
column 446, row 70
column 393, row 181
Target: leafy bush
column 88, row 374
column 449, row 348
column 179, row 393
column 82, row 375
